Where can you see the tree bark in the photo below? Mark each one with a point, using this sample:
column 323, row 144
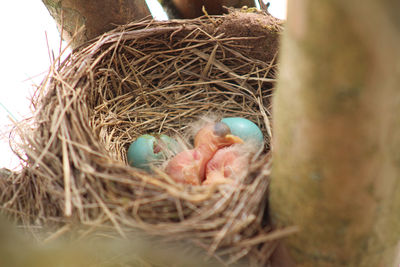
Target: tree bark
column 336, row 170
column 82, row 20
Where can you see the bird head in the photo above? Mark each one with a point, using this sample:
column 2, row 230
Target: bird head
column 215, row 136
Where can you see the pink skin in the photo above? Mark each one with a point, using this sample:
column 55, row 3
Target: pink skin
column 226, row 162
column 189, row 166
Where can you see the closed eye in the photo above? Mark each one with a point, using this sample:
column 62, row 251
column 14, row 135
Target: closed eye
column 221, row 129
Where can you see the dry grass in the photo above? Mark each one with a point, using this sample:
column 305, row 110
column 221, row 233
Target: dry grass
column 150, row 77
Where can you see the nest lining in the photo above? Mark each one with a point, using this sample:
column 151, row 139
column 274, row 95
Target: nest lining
column 151, row 77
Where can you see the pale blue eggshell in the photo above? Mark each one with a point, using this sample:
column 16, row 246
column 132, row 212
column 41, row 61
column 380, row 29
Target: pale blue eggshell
column 147, row 150
column 245, row 129
column 172, row 145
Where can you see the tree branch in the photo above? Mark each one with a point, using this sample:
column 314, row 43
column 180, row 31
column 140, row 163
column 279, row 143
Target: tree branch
column 82, row 20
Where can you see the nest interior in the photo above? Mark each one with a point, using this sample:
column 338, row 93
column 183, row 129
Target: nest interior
column 150, row 77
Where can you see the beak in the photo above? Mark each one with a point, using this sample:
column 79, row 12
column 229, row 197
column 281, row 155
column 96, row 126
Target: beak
column 233, row 139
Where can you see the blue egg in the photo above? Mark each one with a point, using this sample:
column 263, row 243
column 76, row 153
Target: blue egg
column 245, row 129
column 147, row 150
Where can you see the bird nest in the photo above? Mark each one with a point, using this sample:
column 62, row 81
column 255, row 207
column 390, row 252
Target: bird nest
column 151, row 77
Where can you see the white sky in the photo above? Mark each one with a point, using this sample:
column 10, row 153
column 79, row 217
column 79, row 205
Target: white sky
column 25, row 58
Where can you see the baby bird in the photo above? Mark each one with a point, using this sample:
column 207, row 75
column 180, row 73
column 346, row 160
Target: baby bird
column 228, row 161
column 189, row 166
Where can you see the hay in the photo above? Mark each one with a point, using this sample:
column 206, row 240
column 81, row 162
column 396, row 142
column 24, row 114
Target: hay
column 150, row 77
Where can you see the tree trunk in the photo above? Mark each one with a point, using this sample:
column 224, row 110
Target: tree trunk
column 336, row 170
column 86, row 19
